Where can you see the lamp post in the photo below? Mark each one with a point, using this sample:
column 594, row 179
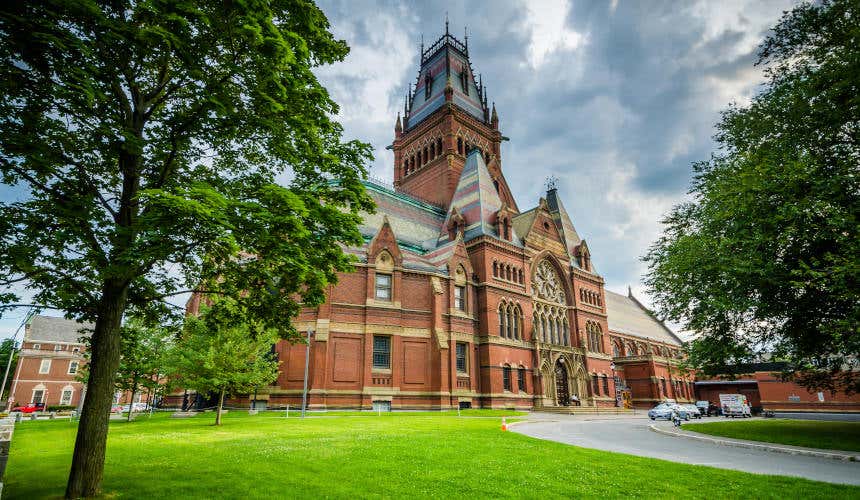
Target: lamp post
column 615, row 383
column 307, row 362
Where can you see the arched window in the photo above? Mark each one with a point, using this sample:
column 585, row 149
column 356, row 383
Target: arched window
column 537, row 333
column 517, row 322
column 521, row 277
column 459, row 145
column 509, row 326
column 426, row 158
column 508, row 272
column 495, row 269
column 405, row 167
column 439, row 146
column 615, row 350
column 432, row 150
column 502, row 319
column 506, row 377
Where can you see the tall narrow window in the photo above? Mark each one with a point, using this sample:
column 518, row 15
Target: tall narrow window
column 45, row 366
column 595, row 387
column 461, row 357
column 521, row 379
column 506, row 377
column 606, row 386
column 381, row 351
column 502, row 320
column 66, row 397
column 38, row 396
column 663, row 383
column 439, row 146
column 459, row 145
column 460, row 297
column 383, row 286
column 73, row 367
column 510, row 322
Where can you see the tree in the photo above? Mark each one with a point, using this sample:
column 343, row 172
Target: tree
column 221, row 352
column 149, row 136
column 765, row 259
column 141, row 363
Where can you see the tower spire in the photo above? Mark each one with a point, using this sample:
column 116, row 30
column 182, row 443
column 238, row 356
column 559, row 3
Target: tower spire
column 446, row 23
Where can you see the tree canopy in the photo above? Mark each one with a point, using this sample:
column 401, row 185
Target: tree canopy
column 222, row 352
column 149, row 138
column 765, row 259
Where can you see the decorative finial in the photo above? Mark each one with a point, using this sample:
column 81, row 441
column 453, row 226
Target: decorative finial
column 494, row 118
column 446, row 23
column 398, row 128
column 629, row 291
column 551, row 183
column 466, row 37
column 421, row 54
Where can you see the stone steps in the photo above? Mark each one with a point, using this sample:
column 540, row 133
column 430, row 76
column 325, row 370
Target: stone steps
column 585, row 410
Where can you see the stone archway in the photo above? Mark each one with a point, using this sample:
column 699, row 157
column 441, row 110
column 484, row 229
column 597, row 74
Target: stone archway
column 562, row 384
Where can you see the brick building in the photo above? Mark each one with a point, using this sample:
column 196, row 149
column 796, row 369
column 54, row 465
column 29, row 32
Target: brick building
column 764, row 387
column 50, row 358
column 461, row 298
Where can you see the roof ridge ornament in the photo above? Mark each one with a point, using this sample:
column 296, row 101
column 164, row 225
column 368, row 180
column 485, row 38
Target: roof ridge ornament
column 551, row 181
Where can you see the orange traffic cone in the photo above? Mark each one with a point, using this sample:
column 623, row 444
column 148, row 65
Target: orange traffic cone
column 504, row 424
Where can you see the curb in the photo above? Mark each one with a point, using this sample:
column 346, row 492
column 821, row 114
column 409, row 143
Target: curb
column 756, row 446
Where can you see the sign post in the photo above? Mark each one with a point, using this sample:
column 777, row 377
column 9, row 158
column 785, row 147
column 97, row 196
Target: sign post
column 307, row 362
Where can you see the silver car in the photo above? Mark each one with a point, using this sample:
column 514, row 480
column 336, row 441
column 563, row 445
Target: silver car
column 662, row 410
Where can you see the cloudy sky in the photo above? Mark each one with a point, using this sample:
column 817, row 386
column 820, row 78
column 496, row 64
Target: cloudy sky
column 614, row 98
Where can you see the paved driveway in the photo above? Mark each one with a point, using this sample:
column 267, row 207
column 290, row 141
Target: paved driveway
column 631, row 435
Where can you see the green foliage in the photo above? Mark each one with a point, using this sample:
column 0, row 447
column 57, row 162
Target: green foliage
column 222, row 352
column 766, row 256
column 149, row 137
column 142, row 361
column 396, row 456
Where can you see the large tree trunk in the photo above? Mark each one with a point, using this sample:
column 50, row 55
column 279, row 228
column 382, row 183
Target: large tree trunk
column 85, row 477
column 220, row 407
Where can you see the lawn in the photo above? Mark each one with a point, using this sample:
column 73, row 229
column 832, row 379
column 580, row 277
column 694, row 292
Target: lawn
column 401, row 455
column 810, row 433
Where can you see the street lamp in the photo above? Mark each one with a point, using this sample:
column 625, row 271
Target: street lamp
column 307, row 362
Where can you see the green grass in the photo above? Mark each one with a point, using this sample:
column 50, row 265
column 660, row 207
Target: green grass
column 403, row 455
column 809, row 433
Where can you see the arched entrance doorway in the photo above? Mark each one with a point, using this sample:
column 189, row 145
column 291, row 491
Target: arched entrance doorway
column 562, row 391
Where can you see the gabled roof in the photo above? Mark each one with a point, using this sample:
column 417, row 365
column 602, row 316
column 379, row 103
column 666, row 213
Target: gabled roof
column 627, row 315
column 50, row 329
column 563, row 222
column 476, row 200
column 446, row 60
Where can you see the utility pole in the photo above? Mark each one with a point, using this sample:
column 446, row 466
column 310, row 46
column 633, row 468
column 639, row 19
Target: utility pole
column 307, row 362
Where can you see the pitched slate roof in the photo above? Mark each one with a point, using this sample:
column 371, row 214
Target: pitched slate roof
column 476, row 199
column 50, row 329
column 446, row 60
column 626, row 315
column 415, row 223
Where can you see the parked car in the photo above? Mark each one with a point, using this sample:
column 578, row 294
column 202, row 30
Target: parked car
column 692, row 410
column 662, row 410
column 30, row 408
column 703, row 407
column 116, row 409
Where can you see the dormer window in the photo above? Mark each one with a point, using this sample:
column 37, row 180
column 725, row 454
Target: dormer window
column 464, row 80
column 428, row 86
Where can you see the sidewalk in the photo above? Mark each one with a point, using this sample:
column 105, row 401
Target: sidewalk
column 669, row 430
